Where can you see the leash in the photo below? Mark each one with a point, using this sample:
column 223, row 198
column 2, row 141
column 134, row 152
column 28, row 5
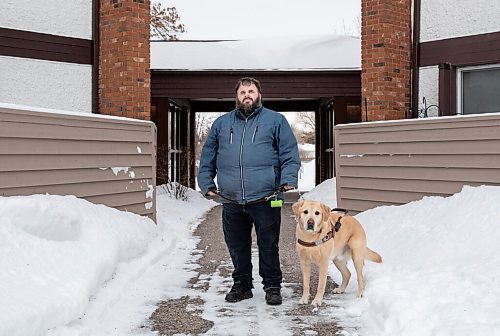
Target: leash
column 275, row 202
column 330, row 234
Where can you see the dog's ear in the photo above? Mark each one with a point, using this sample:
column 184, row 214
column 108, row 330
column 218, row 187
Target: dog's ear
column 296, row 206
column 326, row 211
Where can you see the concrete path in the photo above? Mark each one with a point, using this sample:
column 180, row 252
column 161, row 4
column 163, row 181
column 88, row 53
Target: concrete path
column 193, row 315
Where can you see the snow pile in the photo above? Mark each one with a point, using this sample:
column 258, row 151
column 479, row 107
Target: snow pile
column 441, row 269
column 59, row 253
column 70, row 267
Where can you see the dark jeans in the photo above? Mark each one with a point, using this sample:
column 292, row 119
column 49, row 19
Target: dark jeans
column 237, row 221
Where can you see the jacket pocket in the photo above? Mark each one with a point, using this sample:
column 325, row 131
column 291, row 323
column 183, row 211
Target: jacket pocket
column 260, row 181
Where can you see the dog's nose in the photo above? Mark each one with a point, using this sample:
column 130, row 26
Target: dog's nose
column 310, row 224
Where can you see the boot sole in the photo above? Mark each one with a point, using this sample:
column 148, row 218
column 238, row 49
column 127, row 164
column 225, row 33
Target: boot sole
column 274, row 303
column 245, row 297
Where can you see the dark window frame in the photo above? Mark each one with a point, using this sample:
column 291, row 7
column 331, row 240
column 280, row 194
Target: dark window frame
column 459, row 83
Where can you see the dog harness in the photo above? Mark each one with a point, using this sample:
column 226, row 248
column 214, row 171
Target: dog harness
column 329, row 235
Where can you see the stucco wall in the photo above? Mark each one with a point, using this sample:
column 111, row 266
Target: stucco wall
column 428, row 87
column 443, row 19
column 67, row 18
column 47, row 84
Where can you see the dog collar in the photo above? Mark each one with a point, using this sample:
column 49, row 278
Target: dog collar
column 318, row 242
column 326, row 238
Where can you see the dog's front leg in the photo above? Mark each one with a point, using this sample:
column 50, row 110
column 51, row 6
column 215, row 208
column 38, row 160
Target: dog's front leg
column 323, row 271
column 305, row 266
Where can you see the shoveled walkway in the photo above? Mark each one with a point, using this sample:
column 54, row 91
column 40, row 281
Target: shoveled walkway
column 213, row 269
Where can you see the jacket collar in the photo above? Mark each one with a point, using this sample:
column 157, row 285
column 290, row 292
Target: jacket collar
column 254, row 113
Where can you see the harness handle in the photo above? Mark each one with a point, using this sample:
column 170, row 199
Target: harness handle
column 345, row 211
column 337, row 223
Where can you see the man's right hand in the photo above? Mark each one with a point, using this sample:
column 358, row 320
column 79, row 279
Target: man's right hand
column 212, row 192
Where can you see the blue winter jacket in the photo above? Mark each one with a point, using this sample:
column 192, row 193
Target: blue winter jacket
column 252, row 157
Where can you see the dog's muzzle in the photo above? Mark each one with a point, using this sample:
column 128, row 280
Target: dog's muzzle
column 310, row 224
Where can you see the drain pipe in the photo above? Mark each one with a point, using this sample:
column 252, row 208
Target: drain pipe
column 366, row 109
column 96, row 9
column 415, row 58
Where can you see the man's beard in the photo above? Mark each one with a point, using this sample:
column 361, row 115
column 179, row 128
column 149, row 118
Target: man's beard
column 248, row 109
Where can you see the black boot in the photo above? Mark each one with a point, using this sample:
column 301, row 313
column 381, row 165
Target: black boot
column 239, row 291
column 273, row 296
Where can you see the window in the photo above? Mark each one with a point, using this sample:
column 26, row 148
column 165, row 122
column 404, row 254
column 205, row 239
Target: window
column 478, row 89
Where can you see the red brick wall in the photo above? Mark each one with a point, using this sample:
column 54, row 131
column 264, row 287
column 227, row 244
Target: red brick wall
column 386, row 58
column 124, row 78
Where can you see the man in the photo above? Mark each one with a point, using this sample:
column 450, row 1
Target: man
column 254, row 154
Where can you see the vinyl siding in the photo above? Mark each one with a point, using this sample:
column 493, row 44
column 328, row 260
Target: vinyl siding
column 396, row 162
column 69, row 154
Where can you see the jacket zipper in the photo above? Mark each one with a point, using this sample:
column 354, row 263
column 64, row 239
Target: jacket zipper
column 241, row 159
column 231, row 136
column 254, row 132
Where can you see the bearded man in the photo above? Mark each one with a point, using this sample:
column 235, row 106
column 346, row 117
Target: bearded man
column 254, row 154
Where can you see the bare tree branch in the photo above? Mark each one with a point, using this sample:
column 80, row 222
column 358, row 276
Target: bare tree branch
column 304, row 127
column 165, row 23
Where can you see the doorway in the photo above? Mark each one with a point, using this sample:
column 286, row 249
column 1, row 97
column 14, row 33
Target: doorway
column 303, row 126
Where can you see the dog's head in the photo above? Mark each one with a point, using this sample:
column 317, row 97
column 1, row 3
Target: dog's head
column 311, row 215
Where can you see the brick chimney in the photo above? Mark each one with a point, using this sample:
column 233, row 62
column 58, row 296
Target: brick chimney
column 385, row 58
column 124, row 78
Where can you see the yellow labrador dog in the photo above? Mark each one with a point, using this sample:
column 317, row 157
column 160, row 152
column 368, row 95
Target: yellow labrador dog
column 322, row 236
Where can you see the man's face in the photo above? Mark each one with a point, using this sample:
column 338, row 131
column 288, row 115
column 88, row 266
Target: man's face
column 248, row 97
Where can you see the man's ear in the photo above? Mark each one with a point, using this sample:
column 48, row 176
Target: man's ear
column 296, row 207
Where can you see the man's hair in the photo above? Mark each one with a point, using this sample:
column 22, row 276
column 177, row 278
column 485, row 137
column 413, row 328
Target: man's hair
column 247, row 81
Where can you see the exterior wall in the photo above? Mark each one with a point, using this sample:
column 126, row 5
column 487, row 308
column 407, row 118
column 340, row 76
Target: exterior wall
column 386, row 58
column 392, row 163
column 453, row 35
column 445, row 19
column 428, row 89
column 124, row 56
column 105, row 160
column 56, row 17
column 46, row 84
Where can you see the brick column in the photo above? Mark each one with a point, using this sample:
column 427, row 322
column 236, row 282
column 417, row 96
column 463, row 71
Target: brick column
column 124, row 78
column 385, row 58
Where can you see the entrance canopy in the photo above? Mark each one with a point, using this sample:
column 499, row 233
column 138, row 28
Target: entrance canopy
column 300, row 73
column 289, row 68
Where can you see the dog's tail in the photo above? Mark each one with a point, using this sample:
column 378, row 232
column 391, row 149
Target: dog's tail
column 373, row 256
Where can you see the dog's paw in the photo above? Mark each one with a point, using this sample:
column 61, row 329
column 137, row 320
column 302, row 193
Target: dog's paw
column 316, row 302
column 304, row 300
column 338, row 291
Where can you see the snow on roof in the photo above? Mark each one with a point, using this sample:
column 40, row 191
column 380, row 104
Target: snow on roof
column 327, row 52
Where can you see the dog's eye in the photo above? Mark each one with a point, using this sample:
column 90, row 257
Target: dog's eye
column 316, row 213
column 306, row 212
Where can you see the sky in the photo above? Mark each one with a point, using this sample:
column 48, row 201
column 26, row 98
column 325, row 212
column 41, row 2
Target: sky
column 229, row 19
column 72, row 268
